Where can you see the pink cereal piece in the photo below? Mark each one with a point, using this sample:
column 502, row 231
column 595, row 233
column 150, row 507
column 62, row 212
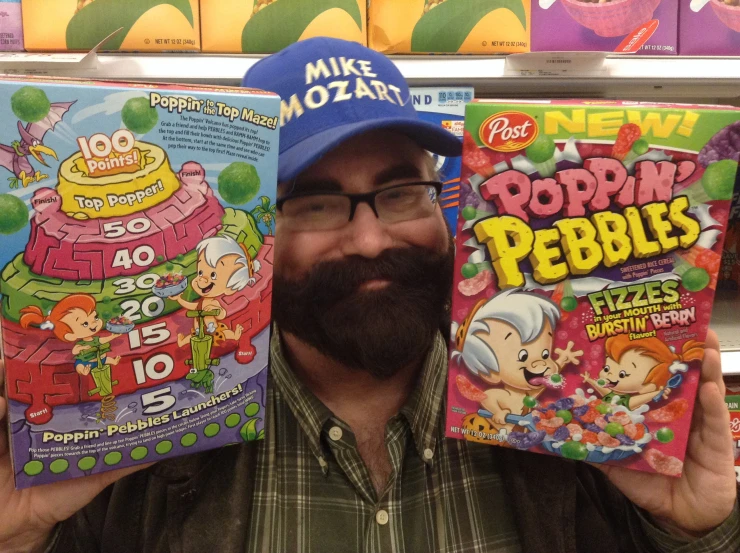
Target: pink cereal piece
column 600, row 422
column 574, row 429
column 622, row 418
column 630, row 430
column 578, row 400
column 607, row 441
column 555, row 422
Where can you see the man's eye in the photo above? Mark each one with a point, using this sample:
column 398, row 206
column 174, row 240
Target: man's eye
column 213, row 275
column 546, row 354
column 523, row 355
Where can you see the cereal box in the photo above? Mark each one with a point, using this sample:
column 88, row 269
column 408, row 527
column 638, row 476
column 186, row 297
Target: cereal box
column 709, row 28
column 80, row 25
column 588, row 246
column 11, row 26
column 136, row 271
column 449, row 26
column 733, row 404
column 266, row 26
column 445, row 107
column 645, row 26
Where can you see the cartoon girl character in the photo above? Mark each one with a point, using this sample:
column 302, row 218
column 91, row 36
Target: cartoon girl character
column 637, row 371
column 74, row 319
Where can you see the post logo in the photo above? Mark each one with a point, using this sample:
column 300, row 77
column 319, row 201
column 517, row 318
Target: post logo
column 508, row 131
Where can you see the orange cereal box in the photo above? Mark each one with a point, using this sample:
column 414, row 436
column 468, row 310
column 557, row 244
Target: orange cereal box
column 589, row 239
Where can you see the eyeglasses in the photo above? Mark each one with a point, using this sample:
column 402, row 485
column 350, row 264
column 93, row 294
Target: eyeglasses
column 309, row 211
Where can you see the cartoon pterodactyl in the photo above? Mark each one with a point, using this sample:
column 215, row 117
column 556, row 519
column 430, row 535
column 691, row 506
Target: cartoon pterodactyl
column 15, row 158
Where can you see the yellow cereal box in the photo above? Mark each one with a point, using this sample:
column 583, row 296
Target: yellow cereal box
column 449, row 26
column 147, row 25
column 266, row 26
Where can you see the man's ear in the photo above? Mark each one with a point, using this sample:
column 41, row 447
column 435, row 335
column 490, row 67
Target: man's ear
column 492, row 378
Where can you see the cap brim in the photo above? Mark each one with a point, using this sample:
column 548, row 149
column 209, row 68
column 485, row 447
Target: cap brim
column 301, row 156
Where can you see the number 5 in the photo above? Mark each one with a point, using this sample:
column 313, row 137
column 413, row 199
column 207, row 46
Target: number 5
column 157, row 401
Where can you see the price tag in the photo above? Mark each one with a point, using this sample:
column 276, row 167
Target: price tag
column 556, row 64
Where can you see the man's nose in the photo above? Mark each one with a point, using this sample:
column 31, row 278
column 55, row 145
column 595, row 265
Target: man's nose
column 366, row 234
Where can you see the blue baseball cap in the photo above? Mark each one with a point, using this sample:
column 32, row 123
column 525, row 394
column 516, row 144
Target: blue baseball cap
column 333, row 90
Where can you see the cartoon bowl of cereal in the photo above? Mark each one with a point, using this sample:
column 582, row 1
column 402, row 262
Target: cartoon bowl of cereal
column 610, row 18
column 728, row 12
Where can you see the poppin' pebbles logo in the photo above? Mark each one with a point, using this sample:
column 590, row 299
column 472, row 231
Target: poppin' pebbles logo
column 508, row 131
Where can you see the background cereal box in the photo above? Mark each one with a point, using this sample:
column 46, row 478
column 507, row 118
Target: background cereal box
column 588, row 246
column 135, row 271
column 449, row 26
column 79, row 25
column 11, row 25
column 575, row 25
column 714, row 30
column 266, row 26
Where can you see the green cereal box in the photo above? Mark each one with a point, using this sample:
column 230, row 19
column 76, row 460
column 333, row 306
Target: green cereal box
column 136, row 270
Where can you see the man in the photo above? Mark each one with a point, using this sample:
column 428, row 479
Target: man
column 355, row 457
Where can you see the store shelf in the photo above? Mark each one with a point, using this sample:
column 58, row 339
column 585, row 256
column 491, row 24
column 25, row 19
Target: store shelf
column 649, row 78
column 726, row 323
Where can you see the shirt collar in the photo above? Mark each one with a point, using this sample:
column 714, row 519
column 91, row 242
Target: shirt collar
column 422, row 410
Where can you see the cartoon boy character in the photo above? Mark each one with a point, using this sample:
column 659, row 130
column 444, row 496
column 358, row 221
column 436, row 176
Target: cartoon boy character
column 75, row 319
column 507, row 341
column 224, row 268
column 637, row 371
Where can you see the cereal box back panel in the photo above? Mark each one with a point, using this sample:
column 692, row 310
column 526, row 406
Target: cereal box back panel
column 266, row 26
column 714, row 30
column 11, row 25
column 587, row 257
column 136, row 271
column 80, row 25
column 579, row 25
column 449, row 26
column 445, row 107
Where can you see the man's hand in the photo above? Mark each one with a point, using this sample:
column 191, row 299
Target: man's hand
column 705, row 495
column 28, row 516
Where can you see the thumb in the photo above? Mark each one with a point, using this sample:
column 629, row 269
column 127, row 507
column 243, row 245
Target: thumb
column 715, row 426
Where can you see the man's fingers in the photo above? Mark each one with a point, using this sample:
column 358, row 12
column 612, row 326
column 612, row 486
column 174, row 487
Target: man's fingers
column 712, row 341
column 715, row 419
column 711, row 370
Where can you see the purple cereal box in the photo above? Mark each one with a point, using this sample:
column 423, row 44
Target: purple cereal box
column 709, row 28
column 589, row 25
column 11, row 27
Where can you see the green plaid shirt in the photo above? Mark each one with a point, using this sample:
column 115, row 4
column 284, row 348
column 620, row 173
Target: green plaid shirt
column 305, row 489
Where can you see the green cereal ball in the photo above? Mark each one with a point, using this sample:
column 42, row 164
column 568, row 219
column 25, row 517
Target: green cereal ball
column 232, row 420
column 556, row 378
column 163, row 447
column 33, row 468
column 30, row 104
column 529, row 402
column 113, row 458
column 238, row 183
column 469, row 270
column 212, row 430
column 58, row 466
column 541, row 150
column 719, row 179
column 665, row 435
column 569, row 303
column 86, row 463
column 188, row 439
column 14, row 214
column 139, row 116
column 564, row 414
column 469, row 213
column 602, row 408
column 574, row 450
column 139, row 453
column 252, row 409
column 641, row 147
column 695, row 279
column 614, row 428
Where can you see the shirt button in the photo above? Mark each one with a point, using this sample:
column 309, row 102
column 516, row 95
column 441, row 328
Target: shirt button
column 335, row 433
column 428, row 454
column 381, row 517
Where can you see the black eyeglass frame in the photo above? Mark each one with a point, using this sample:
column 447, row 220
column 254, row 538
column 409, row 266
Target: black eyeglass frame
column 357, row 199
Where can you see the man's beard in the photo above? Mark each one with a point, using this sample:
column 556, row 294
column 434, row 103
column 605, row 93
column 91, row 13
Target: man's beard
column 380, row 330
